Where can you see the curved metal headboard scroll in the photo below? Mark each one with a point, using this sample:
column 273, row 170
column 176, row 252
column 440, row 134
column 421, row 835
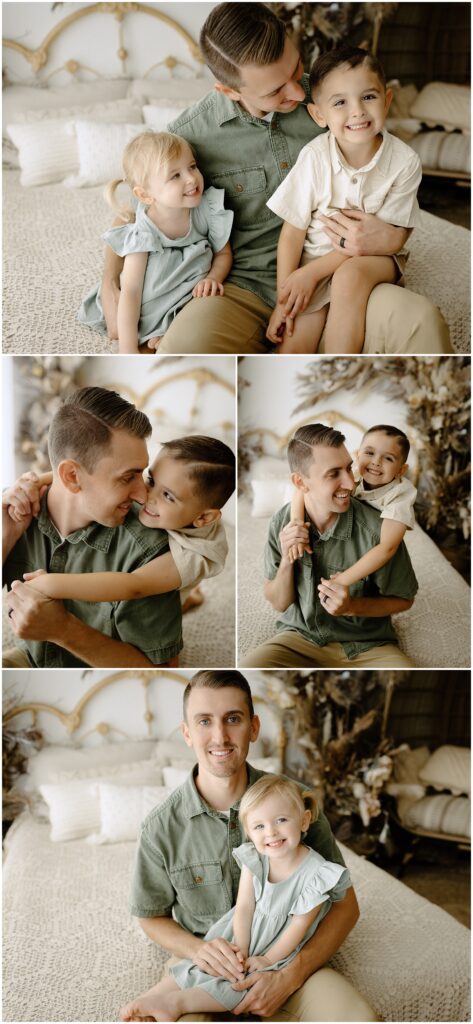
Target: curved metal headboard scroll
column 38, row 58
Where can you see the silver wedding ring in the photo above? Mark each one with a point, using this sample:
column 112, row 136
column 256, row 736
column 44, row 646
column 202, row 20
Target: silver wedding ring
column 10, row 613
column 324, row 598
column 342, row 243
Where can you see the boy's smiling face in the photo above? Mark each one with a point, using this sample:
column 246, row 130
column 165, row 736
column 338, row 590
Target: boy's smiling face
column 353, row 103
column 173, row 501
column 380, row 459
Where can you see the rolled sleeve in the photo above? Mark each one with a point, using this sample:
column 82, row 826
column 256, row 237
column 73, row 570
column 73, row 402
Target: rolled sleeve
column 397, row 577
column 152, row 894
column 296, row 198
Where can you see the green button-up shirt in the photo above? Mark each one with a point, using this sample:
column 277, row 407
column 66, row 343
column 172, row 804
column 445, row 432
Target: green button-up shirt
column 249, row 158
column 353, row 534
column 152, row 624
column 184, row 865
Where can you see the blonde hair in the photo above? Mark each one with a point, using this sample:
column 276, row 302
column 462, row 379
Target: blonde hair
column 303, row 799
column 145, row 154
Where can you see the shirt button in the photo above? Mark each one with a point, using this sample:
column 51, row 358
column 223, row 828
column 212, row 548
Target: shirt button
column 198, row 879
column 233, row 825
column 238, row 188
column 284, row 166
column 354, row 180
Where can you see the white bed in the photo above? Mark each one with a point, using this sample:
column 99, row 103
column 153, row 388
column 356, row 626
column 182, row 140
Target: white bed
column 435, row 632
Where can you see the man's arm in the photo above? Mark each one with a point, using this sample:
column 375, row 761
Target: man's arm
column 336, row 600
column 364, row 234
column 35, row 617
column 216, row 957
column 281, row 590
column 267, row 992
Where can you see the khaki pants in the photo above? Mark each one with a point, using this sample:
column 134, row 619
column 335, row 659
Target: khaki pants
column 14, row 657
column 325, row 996
column 290, row 649
column 397, row 321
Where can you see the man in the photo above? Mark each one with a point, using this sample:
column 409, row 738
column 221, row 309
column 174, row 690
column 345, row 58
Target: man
column 185, row 877
column 324, row 623
column 86, row 523
column 247, row 134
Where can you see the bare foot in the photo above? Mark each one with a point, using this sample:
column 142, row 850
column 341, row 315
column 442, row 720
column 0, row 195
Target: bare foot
column 151, row 1006
column 193, row 600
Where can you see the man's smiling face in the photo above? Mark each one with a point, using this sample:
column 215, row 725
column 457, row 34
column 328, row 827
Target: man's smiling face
column 270, row 87
column 219, row 728
column 328, row 483
column 116, row 481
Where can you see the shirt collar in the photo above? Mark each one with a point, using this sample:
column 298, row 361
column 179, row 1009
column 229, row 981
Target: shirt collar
column 194, row 804
column 341, row 529
column 381, row 159
column 94, row 535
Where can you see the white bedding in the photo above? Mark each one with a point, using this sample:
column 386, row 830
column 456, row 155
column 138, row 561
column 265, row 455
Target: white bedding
column 435, row 632
column 53, row 256
column 71, row 952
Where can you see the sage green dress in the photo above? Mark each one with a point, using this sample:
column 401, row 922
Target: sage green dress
column 174, row 267
column 317, row 882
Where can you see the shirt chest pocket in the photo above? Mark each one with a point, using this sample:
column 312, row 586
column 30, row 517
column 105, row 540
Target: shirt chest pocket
column 246, row 192
column 356, row 589
column 201, row 889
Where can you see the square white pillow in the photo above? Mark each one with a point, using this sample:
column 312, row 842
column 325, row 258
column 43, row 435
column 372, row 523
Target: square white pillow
column 444, row 103
column 100, row 148
column 47, row 149
column 269, row 496
column 123, row 809
column 174, row 777
column 449, row 768
column 54, row 760
column 158, row 117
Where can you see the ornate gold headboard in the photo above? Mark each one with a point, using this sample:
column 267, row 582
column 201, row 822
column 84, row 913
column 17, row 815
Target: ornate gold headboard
column 40, row 56
column 201, row 377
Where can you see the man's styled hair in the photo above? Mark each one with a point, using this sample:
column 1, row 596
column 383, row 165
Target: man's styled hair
column 403, row 442
column 299, row 449
column 82, row 427
column 237, row 34
column 351, row 55
column 213, row 680
column 302, row 799
column 210, row 465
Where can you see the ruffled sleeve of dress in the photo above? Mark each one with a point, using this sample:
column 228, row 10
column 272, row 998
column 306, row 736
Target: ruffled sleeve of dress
column 329, row 882
column 247, row 855
column 141, row 236
column 213, row 219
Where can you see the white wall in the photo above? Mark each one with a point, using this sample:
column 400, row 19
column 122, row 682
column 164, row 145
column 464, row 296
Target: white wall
column 93, row 41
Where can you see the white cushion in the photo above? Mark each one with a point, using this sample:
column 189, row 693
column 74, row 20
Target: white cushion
column 17, row 100
column 144, row 90
column 122, row 810
column 448, row 768
column 269, row 496
column 408, row 763
column 51, row 761
column 403, row 99
column 440, row 813
column 48, row 151
column 269, row 467
column 158, row 115
column 444, row 103
column 100, row 149
column 74, row 807
column 174, row 777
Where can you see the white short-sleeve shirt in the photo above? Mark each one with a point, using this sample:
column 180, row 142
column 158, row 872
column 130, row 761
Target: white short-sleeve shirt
column 322, row 182
column 394, row 500
column 198, row 553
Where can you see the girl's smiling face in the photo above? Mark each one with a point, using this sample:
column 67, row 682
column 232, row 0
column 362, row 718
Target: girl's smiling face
column 380, row 460
column 275, row 826
column 177, row 184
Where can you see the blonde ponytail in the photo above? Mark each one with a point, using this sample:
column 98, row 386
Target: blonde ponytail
column 126, row 213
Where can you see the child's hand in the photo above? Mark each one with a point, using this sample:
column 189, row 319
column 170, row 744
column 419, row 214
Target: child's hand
column 208, row 286
column 30, row 576
column 255, row 963
column 295, row 293
column 278, row 324
column 297, row 551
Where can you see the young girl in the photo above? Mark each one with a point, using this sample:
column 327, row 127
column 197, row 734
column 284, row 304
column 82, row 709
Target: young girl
column 356, row 165
column 285, row 891
column 176, row 249
column 189, row 482
column 382, row 464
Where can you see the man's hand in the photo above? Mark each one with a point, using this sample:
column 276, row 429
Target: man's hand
column 364, row 234
column 33, row 616
column 295, row 293
column 266, row 992
column 22, row 499
column 221, row 959
column 208, row 286
column 294, row 535
column 335, row 597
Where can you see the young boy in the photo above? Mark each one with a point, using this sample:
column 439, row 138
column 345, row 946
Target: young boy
column 382, row 467
column 189, row 482
column 356, row 165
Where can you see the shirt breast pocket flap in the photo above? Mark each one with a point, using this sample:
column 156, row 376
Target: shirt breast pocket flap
column 201, row 888
column 245, row 181
column 356, row 589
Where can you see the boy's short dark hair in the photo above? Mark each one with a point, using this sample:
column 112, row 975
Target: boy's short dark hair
column 401, row 438
column 351, row 55
column 213, row 680
column 210, row 465
column 237, row 34
column 82, row 427
column 299, row 449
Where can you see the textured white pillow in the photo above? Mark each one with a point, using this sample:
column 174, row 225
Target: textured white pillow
column 174, row 777
column 52, row 761
column 448, row 768
column 444, row 103
column 122, row 810
column 48, row 151
column 158, row 115
column 74, row 807
column 100, row 149
column 144, row 90
column 269, row 467
column 269, row 496
column 17, row 100
column 440, row 813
